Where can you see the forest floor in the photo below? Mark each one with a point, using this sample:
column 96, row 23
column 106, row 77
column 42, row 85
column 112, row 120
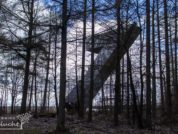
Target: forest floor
column 102, row 124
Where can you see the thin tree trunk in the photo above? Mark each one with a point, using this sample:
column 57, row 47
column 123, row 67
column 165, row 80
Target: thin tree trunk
column 49, row 91
column 111, row 105
column 43, row 109
column 92, row 64
column 76, row 75
column 128, row 92
column 171, row 57
column 148, row 87
column 83, row 62
column 13, row 99
column 153, row 64
column 35, row 72
column 122, row 101
column 141, row 64
column 160, row 59
column 135, row 106
column 55, row 72
column 103, row 95
column 31, row 94
column 168, row 88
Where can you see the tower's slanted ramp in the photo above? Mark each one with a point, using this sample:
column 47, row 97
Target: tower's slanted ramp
column 105, row 62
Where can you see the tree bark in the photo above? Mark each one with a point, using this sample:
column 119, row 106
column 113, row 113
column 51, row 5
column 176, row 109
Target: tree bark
column 43, row 109
column 135, row 106
column 92, row 63
column 123, row 77
column 76, row 75
column 148, row 87
column 160, row 59
column 175, row 60
column 35, row 72
column 28, row 58
column 61, row 115
column 55, row 71
column 141, row 63
column 31, row 93
column 117, row 100
column 26, row 81
column 128, row 92
column 168, row 88
column 82, row 92
column 153, row 64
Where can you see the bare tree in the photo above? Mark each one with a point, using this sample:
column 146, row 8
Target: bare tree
column 83, row 62
column 160, row 57
column 28, row 56
column 148, row 87
column 47, row 74
column 117, row 100
column 92, row 63
column 141, row 61
column 154, row 63
column 61, row 115
column 168, row 88
column 55, row 68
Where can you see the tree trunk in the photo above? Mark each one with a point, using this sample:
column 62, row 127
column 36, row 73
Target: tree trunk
column 31, row 93
column 55, row 71
column 76, row 75
column 92, row 64
column 13, row 99
column 153, row 64
column 49, row 93
column 111, row 96
column 148, row 87
column 61, row 115
column 168, row 88
column 28, row 58
column 128, row 92
column 103, row 95
column 83, row 62
column 117, row 100
column 35, row 70
column 135, row 106
column 26, row 81
column 141, row 63
column 43, row 109
column 160, row 59
column 175, row 60
column 122, row 101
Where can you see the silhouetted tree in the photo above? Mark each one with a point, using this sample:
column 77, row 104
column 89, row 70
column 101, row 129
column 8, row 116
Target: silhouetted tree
column 61, row 115
column 148, row 83
column 117, row 100
column 92, row 63
column 168, row 86
column 82, row 92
